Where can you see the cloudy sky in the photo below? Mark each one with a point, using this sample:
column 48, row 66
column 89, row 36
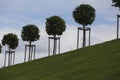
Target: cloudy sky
column 14, row 14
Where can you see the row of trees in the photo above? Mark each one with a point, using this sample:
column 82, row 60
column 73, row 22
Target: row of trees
column 55, row 25
column 29, row 33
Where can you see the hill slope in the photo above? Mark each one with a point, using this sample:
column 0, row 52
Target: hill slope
column 99, row 62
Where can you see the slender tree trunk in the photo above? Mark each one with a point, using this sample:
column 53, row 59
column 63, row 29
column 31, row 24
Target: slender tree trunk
column 48, row 46
column 89, row 36
column 78, row 38
column 9, row 58
column 31, row 53
column 5, row 59
column 34, row 52
column 29, row 56
column 25, row 54
column 54, row 45
column 13, row 58
column 84, row 36
column 59, row 46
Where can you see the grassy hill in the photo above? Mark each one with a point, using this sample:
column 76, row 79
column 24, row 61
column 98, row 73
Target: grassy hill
column 99, row 62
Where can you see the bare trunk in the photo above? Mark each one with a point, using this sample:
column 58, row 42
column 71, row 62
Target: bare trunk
column 9, row 58
column 25, row 54
column 84, row 36
column 34, row 52
column 89, row 36
column 5, row 59
column 48, row 47
column 78, row 38
column 13, row 58
column 29, row 56
column 54, row 47
column 31, row 52
column 59, row 46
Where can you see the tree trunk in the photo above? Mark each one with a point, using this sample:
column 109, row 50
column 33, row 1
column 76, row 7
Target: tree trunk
column 5, row 59
column 8, row 59
column 13, row 58
column 54, row 45
column 29, row 56
column 25, row 54
column 31, row 52
column 48, row 47
column 84, row 36
column 34, row 52
column 9, row 56
column 78, row 39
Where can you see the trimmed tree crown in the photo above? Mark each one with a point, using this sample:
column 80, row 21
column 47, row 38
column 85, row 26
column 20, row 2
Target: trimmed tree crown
column 55, row 25
column 30, row 33
column 116, row 3
column 84, row 14
column 11, row 40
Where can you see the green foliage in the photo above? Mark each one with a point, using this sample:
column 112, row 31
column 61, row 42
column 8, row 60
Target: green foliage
column 99, row 62
column 55, row 25
column 84, row 14
column 30, row 33
column 10, row 40
column 116, row 3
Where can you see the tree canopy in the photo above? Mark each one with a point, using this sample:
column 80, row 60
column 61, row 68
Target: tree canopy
column 10, row 40
column 55, row 25
column 116, row 3
column 30, row 33
column 84, row 14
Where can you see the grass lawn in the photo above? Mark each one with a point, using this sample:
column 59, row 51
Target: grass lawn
column 99, row 62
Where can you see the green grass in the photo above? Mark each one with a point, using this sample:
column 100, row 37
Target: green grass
column 99, row 62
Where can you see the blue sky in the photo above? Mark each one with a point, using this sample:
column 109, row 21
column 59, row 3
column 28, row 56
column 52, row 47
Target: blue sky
column 14, row 14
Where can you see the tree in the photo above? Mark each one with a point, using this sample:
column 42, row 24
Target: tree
column 84, row 15
column 11, row 41
column 30, row 33
column 55, row 25
column 116, row 3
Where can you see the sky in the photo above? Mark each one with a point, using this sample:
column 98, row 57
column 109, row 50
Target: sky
column 14, row 14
